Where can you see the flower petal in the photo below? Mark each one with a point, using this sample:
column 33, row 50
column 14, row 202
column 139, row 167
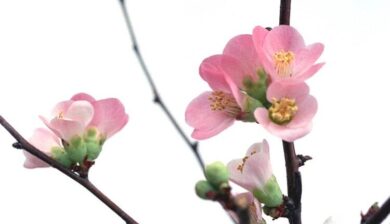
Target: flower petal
column 279, row 90
column 109, row 117
column 284, row 38
column 80, row 111
column 210, row 70
column 306, row 57
column 308, row 73
column 306, row 111
column 66, row 129
column 259, row 34
column 206, row 122
column 83, row 96
column 242, row 48
column 43, row 140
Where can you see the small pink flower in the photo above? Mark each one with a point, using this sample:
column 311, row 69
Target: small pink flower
column 254, row 170
column 254, row 173
column 291, row 112
column 213, row 111
column 284, row 54
column 70, row 118
column 43, row 140
column 109, row 114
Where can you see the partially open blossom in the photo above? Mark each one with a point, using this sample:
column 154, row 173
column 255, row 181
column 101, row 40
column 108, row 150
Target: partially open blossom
column 284, row 54
column 254, row 208
column 292, row 110
column 254, row 173
column 214, row 111
column 48, row 143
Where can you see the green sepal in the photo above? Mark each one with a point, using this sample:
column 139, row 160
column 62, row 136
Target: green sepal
column 270, row 194
column 203, row 189
column 216, row 174
column 61, row 156
column 250, row 105
column 76, row 149
column 257, row 90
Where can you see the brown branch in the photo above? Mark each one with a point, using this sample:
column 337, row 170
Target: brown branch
column 157, row 98
column 380, row 214
column 22, row 143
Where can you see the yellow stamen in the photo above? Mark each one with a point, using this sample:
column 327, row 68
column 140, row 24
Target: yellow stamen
column 60, row 115
column 283, row 110
column 284, row 63
column 219, row 101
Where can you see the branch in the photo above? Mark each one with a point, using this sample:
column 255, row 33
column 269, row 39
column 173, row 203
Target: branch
column 157, row 98
column 379, row 215
column 25, row 145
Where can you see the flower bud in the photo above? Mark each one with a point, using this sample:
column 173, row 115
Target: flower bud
column 60, row 155
column 76, row 150
column 204, row 189
column 217, row 174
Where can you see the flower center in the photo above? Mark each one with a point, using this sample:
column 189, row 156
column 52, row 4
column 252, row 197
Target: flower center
column 283, row 110
column 240, row 167
column 219, row 101
column 284, row 63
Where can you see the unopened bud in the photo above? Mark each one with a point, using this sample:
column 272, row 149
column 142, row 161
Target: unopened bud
column 204, row 189
column 269, row 194
column 217, row 174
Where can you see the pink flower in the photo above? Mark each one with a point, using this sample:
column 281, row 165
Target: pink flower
column 284, row 55
column 73, row 117
column 214, row 111
column 291, row 112
column 254, row 173
column 109, row 114
column 43, row 140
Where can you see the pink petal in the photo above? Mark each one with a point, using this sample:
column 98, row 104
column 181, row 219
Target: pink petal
column 206, row 123
column 43, row 140
column 236, row 71
column 289, row 134
column 308, row 73
column 284, row 38
column 306, row 57
column 257, row 168
column 61, row 107
column 66, row 129
column 242, row 48
column 210, row 70
column 109, row 117
column 259, row 34
column 236, row 92
column 83, row 96
column 306, row 111
column 80, row 111
column 279, row 90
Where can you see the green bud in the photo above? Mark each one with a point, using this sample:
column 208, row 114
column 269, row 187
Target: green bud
column 61, row 156
column 251, row 105
column 257, row 90
column 93, row 150
column 77, row 149
column 203, row 189
column 270, row 194
column 217, row 174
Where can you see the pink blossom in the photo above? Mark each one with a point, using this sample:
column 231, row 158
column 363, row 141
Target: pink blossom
column 109, row 114
column 73, row 117
column 291, row 112
column 213, row 111
column 284, row 54
column 43, row 140
column 254, row 173
column 254, row 169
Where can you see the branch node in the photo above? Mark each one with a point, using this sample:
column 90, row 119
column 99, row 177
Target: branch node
column 157, row 99
column 302, row 159
column 17, row 145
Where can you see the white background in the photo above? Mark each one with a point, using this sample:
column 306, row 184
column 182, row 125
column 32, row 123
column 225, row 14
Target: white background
column 50, row 50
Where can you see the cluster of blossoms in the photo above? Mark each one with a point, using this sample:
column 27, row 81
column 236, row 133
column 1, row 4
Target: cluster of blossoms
column 78, row 130
column 258, row 78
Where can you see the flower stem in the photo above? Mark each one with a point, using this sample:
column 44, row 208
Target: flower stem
column 380, row 215
column 157, row 98
column 294, row 181
column 22, row 143
column 284, row 16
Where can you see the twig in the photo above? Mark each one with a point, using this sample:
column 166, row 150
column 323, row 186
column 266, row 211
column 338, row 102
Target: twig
column 157, row 97
column 24, row 144
column 380, row 215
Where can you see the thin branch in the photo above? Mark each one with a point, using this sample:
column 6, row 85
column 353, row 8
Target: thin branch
column 380, row 215
column 157, row 97
column 285, row 9
column 24, row 144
